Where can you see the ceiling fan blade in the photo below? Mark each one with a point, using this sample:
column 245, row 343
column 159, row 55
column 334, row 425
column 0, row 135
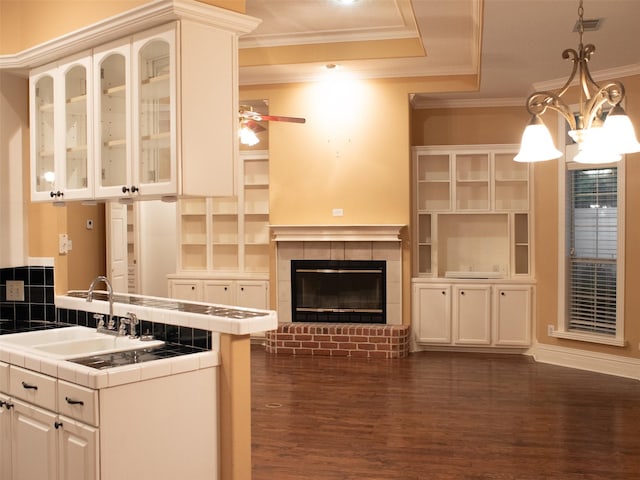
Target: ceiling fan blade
column 255, row 126
column 276, row 118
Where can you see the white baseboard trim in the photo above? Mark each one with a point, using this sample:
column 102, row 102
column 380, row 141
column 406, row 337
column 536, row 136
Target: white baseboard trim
column 586, row 360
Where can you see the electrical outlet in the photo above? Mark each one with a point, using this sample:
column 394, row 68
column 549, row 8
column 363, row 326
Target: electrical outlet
column 63, row 244
column 15, row 290
column 337, row 212
column 550, row 330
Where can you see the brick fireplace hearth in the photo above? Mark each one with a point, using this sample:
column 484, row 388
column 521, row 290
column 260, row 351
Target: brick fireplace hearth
column 339, row 242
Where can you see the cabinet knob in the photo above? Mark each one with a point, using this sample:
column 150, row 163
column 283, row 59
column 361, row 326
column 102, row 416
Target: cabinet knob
column 225, row 289
column 125, row 189
column 444, row 292
column 462, row 292
column 57, row 425
column 134, row 189
column 502, row 293
column 193, row 287
column 57, row 194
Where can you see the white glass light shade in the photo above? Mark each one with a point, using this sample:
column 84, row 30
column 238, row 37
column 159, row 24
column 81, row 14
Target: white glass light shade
column 537, row 144
column 248, row 136
column 595, row 147
column 619, row 132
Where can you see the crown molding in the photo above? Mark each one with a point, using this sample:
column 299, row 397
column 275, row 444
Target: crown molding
column 616, row 72
column 419, row 102
column 146, row 16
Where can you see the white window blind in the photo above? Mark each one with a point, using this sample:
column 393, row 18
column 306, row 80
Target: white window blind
column 593, row 250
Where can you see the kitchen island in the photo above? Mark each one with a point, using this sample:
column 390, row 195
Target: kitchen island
column 145, row 416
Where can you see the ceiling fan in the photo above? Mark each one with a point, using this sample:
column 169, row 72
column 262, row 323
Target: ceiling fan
column 249, row 126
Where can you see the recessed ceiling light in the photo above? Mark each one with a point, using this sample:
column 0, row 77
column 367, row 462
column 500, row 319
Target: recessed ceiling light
column 331, row 66
column 346, row 2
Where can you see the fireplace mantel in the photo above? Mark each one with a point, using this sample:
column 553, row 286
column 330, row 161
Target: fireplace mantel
column 336, row 233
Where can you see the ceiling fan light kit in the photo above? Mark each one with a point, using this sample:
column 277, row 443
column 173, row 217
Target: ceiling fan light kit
column 249, row 126
column 598, row 142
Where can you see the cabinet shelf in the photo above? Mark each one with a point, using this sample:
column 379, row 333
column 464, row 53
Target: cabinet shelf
column 117, row 90
column 236, row 228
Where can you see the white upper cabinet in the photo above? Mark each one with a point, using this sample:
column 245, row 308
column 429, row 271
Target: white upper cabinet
column 112, row 120
column 149, row 114
column 61, row 133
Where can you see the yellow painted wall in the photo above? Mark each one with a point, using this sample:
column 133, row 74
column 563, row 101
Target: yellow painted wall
column 24, row 24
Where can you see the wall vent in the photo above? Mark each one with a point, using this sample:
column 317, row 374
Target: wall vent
column 589, row 25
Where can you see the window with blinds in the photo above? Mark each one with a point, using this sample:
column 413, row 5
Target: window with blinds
column 592, row 233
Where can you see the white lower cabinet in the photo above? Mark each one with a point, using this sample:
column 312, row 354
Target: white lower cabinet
column 34, row 442
column 432, row 310
column 472, row 314
column 459, row 314
column 236, row 292
column 52, row 429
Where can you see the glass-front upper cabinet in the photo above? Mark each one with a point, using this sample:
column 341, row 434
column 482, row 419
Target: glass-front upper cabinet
column 135, row 116
column 154, row 112
column 42, row 136
column 61, row 106
column 112, row 119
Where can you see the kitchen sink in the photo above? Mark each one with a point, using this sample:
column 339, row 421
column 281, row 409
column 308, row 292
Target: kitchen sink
column 73, row 342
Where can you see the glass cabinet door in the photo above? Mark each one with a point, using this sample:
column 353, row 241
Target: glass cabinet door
column 43, row 135
column 112, row 127
column 76, row 115
column 154, row 111
column 154, row 133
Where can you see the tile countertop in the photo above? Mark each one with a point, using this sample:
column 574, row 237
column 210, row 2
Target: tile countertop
column 204, row 316
column 92, row 378
column 215, row 318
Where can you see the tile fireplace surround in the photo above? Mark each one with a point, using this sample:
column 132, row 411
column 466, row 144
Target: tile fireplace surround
column 339, row 242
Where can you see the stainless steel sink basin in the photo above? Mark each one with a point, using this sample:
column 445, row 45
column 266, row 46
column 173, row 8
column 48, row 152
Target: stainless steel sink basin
column 72, row 342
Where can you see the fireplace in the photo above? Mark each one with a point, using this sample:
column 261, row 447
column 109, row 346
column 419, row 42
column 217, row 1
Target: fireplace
column 338, row 291
column 371, row 329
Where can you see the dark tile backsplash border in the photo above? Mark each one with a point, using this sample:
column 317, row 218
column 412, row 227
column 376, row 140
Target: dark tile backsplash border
column 186, row 336
column 39, row 306
column 39, row 295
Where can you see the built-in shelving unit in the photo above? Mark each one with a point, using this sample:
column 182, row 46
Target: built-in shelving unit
column 224, row 241
column 472, row 268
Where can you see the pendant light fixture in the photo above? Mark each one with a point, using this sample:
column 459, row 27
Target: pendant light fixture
column 598, row 141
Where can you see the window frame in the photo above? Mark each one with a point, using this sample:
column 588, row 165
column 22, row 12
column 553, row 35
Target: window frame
column 561, row 330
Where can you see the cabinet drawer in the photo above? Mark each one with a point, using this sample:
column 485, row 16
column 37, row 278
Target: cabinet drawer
column 78, row 402
column 33, row 387
column 4, row 377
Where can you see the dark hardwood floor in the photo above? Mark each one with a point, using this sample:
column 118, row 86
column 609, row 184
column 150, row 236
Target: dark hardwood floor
column 440, row 416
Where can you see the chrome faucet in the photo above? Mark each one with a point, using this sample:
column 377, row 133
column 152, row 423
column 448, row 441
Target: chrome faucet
column 105, row 280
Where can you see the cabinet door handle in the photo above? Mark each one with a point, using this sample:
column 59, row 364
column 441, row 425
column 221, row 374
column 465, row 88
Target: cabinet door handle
column 57, row 425
column 28, row 386
column 71, row 401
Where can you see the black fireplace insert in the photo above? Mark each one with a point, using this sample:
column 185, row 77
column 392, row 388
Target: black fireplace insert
column 338, row 291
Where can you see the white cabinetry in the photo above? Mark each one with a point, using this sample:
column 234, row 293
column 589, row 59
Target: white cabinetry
column 461, row 314
column 471, row 314
column 53, row 429
column 241, row 292
column 432, row 308
column 223, row 243
column 471, row 212
column 147, row 115
column 61, row 104
column 512, row 316
column 472, row 259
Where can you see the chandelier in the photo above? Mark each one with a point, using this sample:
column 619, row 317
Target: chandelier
column 601, row 128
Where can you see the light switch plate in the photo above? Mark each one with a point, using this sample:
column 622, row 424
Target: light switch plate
column 15, row 290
